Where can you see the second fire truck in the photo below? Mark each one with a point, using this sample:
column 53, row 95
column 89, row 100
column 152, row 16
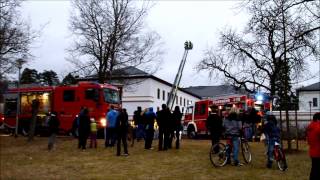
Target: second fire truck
column 195, row 117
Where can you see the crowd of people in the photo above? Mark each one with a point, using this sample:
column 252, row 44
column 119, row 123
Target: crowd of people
column 169, row 126
column 118, row 126
column 232, row 125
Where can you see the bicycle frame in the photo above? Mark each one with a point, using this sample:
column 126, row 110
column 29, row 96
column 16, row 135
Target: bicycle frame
column 279, row 156
column 276, row 149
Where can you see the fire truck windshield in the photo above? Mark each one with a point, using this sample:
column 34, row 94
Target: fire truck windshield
column 111, row 96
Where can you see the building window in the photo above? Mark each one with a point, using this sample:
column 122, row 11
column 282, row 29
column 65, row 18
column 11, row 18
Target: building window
column 315, row 102
column 180, row 101
column 168, row 95
column 187, row 102
column 184, row 102
column 158, row 93
column 177, row 100
column 163, row 95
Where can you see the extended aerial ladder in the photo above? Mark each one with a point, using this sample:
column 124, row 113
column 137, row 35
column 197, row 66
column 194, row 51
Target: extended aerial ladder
column 173, row 93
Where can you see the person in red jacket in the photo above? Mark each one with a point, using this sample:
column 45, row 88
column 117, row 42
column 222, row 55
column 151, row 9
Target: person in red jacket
column 313, row 138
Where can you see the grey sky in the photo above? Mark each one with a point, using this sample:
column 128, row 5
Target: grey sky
column 175, row 21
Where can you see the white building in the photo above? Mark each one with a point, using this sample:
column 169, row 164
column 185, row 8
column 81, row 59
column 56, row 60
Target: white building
column 309, row 98
column 153, row 92
column 145, row 90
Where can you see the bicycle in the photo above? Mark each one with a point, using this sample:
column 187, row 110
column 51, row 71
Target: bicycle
column 279, row 156
column 218, row 152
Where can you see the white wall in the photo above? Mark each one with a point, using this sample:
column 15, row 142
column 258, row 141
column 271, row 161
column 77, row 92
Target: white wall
column 136, row 94
column 305, row 97
column 145, row 94
column 303, row 118
column 163, row 87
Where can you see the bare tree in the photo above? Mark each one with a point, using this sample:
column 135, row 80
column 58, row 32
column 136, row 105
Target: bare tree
column 16, row 37
column 275, row 47
column 110, row 35
column 252, row 59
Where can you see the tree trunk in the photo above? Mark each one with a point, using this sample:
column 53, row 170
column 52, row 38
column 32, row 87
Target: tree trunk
column 288, row 128
column 101, row 77
column 296, row 121
column 286, row 83
column 35, row 108
column 281, row 128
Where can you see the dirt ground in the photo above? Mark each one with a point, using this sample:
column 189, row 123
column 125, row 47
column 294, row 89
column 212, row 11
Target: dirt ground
column 24, row 160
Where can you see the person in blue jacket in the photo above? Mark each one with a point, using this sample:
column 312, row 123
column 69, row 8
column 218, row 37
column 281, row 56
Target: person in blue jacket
column 111, row 127
column 150, row 117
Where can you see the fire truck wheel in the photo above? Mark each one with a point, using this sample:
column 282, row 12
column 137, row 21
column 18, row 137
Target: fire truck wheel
column 191, row 132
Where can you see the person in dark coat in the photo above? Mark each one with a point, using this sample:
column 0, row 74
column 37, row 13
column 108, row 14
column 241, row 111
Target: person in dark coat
column 53, row 124
column 177, row 116
column 84, row 128
column 246, row 125
column 254, row 118
column 214, row 125
column 171, row 127
column 272, row 132
column 138, row 122
column 122, row 126
column 163, row 116
column 75, row 124
column 149, row 116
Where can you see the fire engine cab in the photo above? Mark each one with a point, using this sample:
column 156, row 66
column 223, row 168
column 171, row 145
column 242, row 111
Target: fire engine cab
column 65, row 100
column 196, row 115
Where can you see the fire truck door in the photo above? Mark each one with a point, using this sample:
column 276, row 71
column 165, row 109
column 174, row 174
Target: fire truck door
column 67, row 106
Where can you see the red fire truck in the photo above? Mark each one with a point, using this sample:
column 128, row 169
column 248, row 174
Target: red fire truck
column 65, row 100
column 195, row 117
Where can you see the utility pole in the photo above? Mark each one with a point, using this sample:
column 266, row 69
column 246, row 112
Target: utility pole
column 187, row 46
column 19, row 64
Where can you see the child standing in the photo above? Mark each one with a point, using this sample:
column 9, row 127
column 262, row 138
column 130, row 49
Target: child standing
column 93, row 133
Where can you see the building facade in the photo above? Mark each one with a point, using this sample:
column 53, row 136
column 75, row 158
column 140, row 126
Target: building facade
column 150, row 91
column 309, row 98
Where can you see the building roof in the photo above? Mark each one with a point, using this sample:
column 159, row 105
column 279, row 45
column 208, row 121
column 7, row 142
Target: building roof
column 312, row 87
column 129, row 71
column 132, row 73
column 215, row 91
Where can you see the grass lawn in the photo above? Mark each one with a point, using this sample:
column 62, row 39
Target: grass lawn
column 23, row 160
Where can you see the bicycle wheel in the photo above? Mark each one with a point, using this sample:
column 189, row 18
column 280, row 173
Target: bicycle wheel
column 281, row 161
column 245, row 148
column 218, row 156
